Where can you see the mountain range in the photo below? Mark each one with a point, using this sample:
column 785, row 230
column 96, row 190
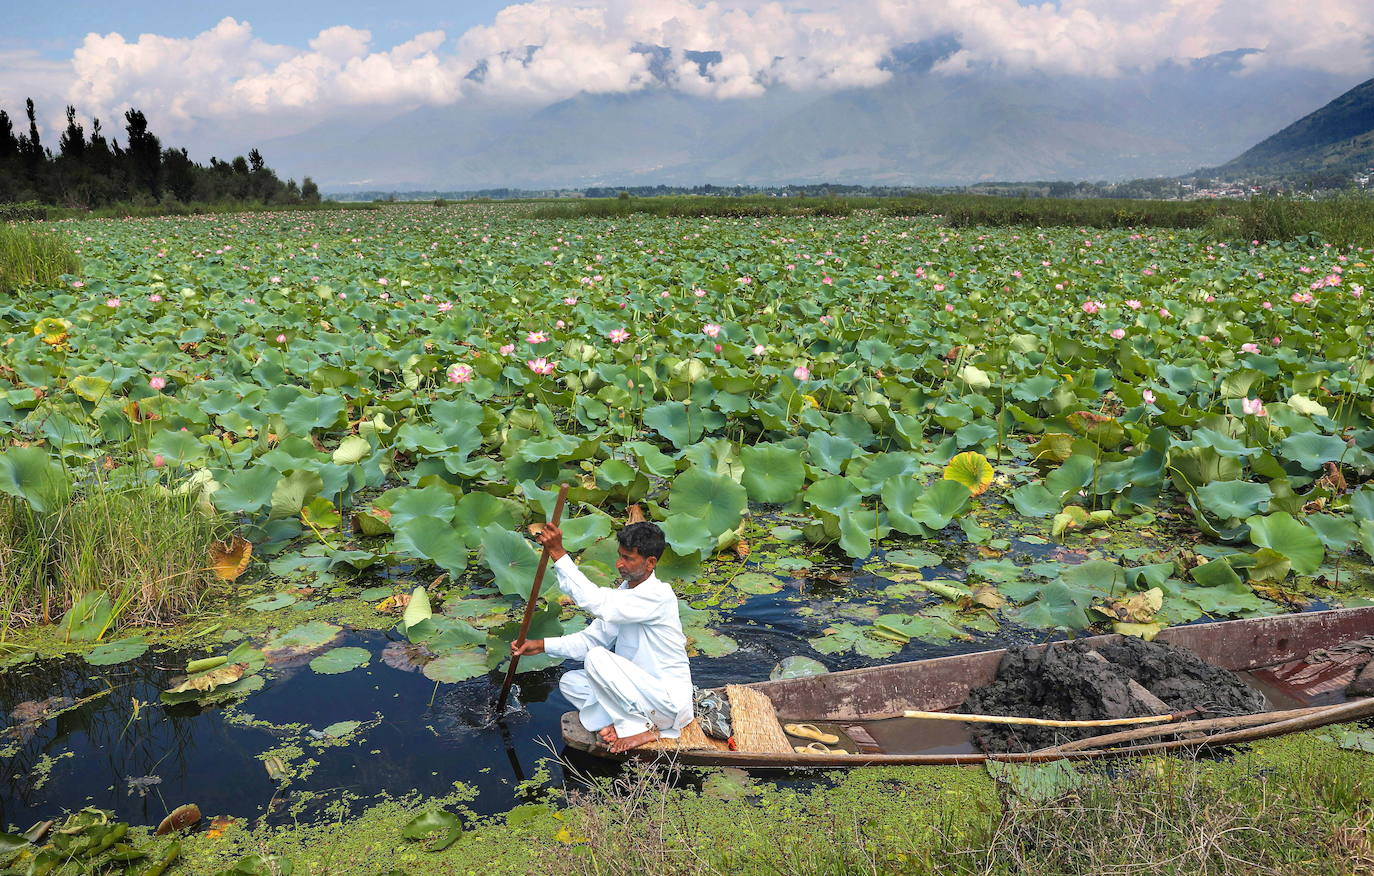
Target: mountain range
column 1338, row 139
column 921, row 127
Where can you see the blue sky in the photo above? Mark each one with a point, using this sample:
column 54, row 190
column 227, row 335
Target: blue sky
column 56, row 28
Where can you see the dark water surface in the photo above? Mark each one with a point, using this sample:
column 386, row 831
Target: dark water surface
column 414, row 736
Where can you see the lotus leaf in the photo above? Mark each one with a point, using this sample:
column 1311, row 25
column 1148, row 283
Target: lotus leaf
column 715, row 500
column 772, row 473
column 1235, row 498
column 1289, row 538
column 117, row 652
column 340, row 660
column 972, row 470
column 797, row 667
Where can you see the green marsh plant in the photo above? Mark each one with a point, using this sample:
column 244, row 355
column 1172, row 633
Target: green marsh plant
column 33, row 258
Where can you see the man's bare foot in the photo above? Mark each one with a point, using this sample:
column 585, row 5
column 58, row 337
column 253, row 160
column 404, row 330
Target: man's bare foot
column 608, row 734
column 625, row 743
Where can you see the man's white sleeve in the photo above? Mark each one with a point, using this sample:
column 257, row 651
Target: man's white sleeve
column 575, row 646
column 630, row 606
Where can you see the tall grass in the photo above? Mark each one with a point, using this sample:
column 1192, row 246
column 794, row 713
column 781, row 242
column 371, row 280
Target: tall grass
column 1344, row 221
column 146, row 547
column 1305, row 810
column 32, row 258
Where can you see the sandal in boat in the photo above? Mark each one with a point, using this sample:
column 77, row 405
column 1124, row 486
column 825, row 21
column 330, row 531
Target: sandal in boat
column 810, row 731
column 812, row 748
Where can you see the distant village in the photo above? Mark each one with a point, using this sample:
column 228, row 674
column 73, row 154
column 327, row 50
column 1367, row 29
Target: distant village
column 1313, row 185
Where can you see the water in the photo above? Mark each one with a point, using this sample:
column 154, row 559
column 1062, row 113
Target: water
column 142, row 760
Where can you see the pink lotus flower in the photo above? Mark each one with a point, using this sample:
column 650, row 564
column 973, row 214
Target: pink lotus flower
column 1249, row 348
column 1356, row 291
column 460, row 373
column 274, row 279
column 1148, row 397
column 159, row 461
column 745, row 281
column 1267, row 305
column 830, row 282
column 506, row 349
column 1164, row 313
column 715, row 348
column 1253, row 407
column 560, row 323
column 540, row 366
column 801, row 372
column 711, row 330
column 664, row 294
column 381, row 281
column 250, row 301
column 570, row 301
column 281, row 339
column 445, row 306
column 700, row 293
column 1118, row 333
column 618, row 335
column 760, row 349
column 77, row 284
column 157, row 383
column 536, row 338
column 155, row 298
column 111, row 302
column 1091, row 306
column 949, row 308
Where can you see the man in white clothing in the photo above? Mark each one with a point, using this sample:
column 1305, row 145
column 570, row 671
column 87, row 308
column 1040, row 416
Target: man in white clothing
column 643, row 689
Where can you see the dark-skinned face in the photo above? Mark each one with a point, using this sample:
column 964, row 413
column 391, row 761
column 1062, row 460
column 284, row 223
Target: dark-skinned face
column 633, row 566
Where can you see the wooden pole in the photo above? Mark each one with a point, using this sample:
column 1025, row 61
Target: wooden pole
column 529, row 606
column 1038, row 722
column 1228, row 723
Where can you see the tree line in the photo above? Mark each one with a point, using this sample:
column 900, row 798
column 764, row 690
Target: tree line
column 96, row 171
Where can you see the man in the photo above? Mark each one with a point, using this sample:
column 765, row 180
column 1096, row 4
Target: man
column 643, row 689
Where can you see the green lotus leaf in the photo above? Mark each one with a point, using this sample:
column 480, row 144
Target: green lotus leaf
column 433, row 502
column 688, row 535
column 1235, row 498
column 339, row 660
column 915, row 626
column 846, row 636
column 177, row 447
column 351, row 450
column 835, row 495
column 677, row 422
column 29, row 473
column 1075, row 474
column 1337, row 533
column 1058, row 607
column 1362, row 503
column 899, row 495
column 117, row 652
column 714, row 499
column 580, row 532
column 511, row 559
column 308, row 413
column 271, row 602
column 940, row 504
column 1311, row 450
column 830, row 452
column 246, row 491
column 292, row 492
column 1034, row 500
column 756, row 583
column 797, row 667
column 1281, row 533
column 306, row 637
column 340, row 729
column 772, row 473
column 913, row 559
column 433, row 539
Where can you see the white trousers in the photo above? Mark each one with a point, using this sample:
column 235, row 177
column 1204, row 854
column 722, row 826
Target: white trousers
column 613, row 690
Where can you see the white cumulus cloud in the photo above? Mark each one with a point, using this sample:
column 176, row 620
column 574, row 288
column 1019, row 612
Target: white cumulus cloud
column 545, row 50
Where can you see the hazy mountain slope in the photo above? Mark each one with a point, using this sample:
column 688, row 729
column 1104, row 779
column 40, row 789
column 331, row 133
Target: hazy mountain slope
column 1338, row 137
column 918, row 128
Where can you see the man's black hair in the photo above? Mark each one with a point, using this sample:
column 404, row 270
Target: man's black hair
column 644, row 538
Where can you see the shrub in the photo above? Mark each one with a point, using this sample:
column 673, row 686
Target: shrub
column 33, row 258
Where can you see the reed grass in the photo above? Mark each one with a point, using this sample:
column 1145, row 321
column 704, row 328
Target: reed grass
column 1346, row 220
column 146, row 547
column 29, row 257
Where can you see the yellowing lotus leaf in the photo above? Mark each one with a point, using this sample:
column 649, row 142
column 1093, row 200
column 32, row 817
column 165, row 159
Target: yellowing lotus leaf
column 208, row 681
column 971, row 469
column 229, row 559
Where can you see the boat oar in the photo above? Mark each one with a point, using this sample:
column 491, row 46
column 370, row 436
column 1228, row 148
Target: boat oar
column 1044, row 722
column 529, row 606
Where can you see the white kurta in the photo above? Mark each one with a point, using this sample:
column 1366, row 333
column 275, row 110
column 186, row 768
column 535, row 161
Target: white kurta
column 646, row 682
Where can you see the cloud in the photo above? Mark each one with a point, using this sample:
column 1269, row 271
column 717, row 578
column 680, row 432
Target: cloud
column 545, row 50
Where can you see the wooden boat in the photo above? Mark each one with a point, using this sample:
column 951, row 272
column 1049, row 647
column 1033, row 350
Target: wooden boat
column 865, row 706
